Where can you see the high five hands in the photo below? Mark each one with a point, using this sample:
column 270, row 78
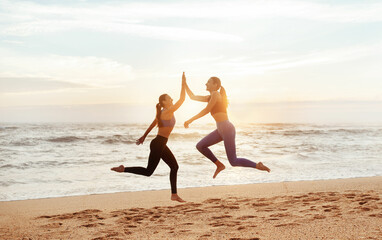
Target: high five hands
column 186, row 123
column 183, row 79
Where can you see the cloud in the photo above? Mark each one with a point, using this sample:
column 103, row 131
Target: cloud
column 284, row 61
column 22, row 85
column 149, row 31
column 25, row 18
column 13, row 42
column 62, row 71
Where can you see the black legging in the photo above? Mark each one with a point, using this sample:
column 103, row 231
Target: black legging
column 158, row 150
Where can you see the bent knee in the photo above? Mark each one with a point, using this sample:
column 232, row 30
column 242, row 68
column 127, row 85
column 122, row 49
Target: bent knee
column 175, row 168
column 149, row 173
column 234, row 163
column 199, row 146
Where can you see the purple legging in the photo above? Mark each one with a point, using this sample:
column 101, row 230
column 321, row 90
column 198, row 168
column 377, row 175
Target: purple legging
column 225, row 132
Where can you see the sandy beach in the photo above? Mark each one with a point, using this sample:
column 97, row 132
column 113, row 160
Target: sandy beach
column 327, row 209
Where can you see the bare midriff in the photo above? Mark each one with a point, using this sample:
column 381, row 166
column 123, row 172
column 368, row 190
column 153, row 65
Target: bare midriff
column 165, row 131
column 220, row 116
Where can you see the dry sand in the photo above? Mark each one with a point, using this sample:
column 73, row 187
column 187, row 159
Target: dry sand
column 328, row 209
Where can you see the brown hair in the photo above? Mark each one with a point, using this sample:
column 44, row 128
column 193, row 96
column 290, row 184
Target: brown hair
column 223, row 93
column 159, row 108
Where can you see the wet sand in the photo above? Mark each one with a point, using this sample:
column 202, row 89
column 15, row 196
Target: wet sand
column 327, row 209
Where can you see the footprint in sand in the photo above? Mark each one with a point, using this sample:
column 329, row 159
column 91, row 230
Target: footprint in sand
column 155, row 217
column 260, row 204
column 85, row 214
column 233, row 206
column 213, row 200
column 206, row 235
column 287, row 225
column 89, row 225
column 329, row 208
column 188, row 223
column 221, row 217
column 127, row 231
column 280, row 215
column 318, row 217
column 244, row 239
column 131, row 226
column 350, row 195
column 52, row 225
column 217, row 224
column 245, row 217
column 197, row 210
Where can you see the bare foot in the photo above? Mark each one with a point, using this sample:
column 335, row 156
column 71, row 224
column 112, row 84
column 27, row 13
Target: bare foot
column 175, row 197
column 219, row 167
column 121, row 168
column 262, row 167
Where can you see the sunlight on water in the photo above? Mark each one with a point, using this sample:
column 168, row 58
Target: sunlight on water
column 48, row 160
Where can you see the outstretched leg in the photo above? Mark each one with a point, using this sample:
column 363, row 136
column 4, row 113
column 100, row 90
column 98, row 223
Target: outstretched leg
column 151, row 166
column 170, row 160
column 227, row 130
column 156, row 148
column 211, row 139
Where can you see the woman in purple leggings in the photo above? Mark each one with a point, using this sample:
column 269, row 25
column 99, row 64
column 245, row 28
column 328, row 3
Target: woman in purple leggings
column 217, row 106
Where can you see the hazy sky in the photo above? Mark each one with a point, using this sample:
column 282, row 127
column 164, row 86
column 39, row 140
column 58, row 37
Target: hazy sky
column 280, row 61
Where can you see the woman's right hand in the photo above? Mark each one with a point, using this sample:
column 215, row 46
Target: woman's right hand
column 140, row 141
column 187, row 123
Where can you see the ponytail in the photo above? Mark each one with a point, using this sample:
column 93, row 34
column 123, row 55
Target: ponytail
column 224, row 96
column 222, row 90
column 159, row 108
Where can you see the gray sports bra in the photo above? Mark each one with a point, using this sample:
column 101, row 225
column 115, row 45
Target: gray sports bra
column 169, row 123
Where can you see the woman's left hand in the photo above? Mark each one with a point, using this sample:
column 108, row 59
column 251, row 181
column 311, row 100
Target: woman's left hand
column 140, row 140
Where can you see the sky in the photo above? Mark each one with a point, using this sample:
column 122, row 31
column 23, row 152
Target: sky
column 108, row 61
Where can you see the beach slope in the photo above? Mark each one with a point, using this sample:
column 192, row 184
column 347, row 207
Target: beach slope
column 326, row 209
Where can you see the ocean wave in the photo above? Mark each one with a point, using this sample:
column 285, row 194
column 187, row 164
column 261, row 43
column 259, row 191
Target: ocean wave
column 40, row 164
column 7, row 166
column 65, row 139
column 195, row 161
column 9, row 183
column 352, row 131
column 116, row 139
column 9, row 128
column 296, row 157
column 23, row 143
column 302, row 132
column 160, row 174
column 193, row 135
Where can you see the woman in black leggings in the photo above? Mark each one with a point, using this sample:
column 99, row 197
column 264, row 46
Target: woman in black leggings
column 158, row 148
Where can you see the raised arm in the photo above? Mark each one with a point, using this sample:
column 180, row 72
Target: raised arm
column 152, row 125
column 196, row 98
column 182, row 97
column 206, row 110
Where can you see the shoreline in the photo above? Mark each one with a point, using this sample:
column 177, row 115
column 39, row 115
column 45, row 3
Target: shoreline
column 180, row 189
column 320, row 208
